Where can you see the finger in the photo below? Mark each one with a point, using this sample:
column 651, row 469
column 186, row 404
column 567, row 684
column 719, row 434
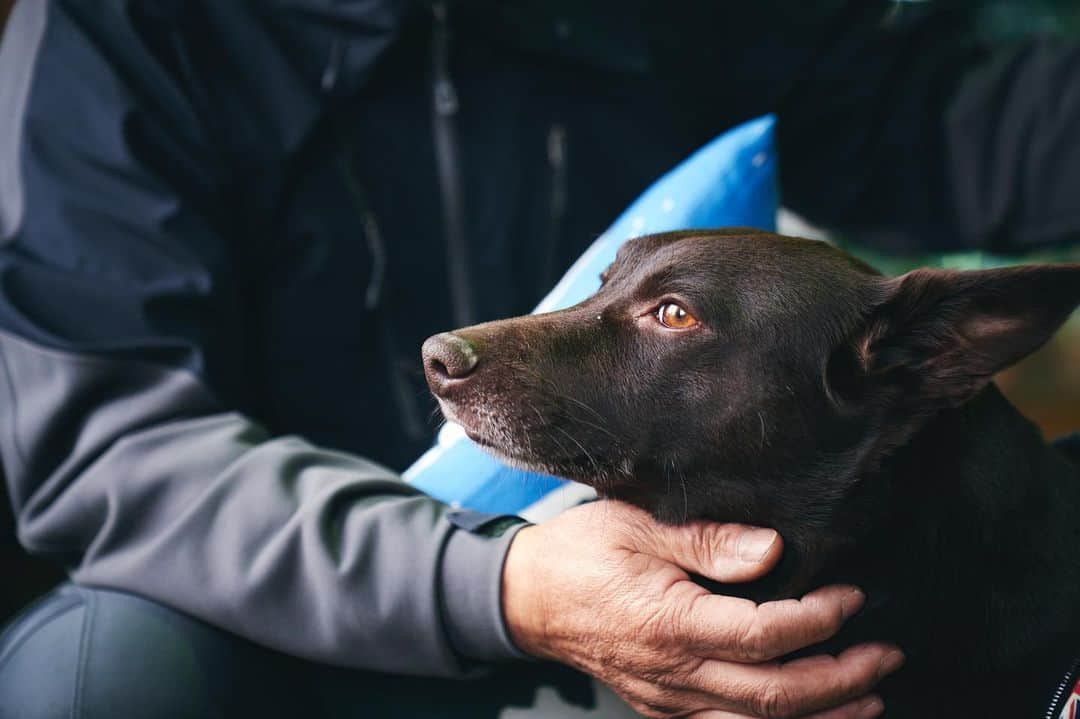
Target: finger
column 801, row 686
column 868, row 707
column 722, row 552
column 736, row 629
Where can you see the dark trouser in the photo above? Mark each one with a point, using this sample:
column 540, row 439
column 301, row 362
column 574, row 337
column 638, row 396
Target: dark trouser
column 88, row 653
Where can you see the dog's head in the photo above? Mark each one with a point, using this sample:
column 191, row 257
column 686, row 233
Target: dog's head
column 740, row 375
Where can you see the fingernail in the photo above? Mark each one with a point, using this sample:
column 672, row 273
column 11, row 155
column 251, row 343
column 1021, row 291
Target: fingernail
column 754, row 544
column 890, row 663
column 852, row 602
column 871, row 708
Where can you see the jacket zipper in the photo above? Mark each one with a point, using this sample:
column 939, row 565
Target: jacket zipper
column 557, row 203
column 401, row 393
column 1063, row 686
column 444, row 109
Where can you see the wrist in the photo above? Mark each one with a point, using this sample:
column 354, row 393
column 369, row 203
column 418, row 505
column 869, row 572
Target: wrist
column 471, row 570
column 523, row 609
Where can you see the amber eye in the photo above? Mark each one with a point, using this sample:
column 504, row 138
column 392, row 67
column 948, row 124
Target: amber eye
column 675, row 317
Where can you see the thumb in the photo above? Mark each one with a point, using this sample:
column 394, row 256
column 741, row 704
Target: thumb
column 721, row 552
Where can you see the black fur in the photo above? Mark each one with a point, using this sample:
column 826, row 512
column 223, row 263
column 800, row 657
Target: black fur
column 852, row 412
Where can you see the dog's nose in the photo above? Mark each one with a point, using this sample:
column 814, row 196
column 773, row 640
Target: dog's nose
column 447, row 359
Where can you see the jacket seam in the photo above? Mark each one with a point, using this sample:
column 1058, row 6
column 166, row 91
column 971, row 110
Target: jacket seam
column 84, row 653
column 9, row 380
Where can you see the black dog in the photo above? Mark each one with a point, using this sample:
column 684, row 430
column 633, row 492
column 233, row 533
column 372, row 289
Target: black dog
column 741, row 376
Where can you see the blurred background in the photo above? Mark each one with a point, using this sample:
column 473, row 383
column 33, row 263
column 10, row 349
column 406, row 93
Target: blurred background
column 1045, row 386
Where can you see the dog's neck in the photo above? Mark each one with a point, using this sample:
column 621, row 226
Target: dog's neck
column 976, row 549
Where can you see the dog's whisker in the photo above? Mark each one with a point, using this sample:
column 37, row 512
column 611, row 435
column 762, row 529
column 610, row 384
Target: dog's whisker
column 524, row 430
column 554, row 391
column 583, row 405
column 560, row 445
column 685, row 496
column 678, row 471
column 436, row 415
column 615, row 440
column 667, row 475
column 600, row 474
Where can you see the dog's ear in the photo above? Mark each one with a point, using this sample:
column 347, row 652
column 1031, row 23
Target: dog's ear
column 937, row 337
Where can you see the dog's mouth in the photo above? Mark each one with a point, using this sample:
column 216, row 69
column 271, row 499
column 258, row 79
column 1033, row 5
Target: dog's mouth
column 466, row 421
column 541, row 447
column 474, row 428
column 481, row 439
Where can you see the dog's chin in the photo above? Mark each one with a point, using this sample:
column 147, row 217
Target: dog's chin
column 501, row 452
column 522, row 460
column 472, row 426
column 468, row 422
column 526, row 461
column 519, row 452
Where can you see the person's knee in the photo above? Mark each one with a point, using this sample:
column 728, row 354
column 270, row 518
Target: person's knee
column 85, row 653
column 89, row 653
column 39, row 659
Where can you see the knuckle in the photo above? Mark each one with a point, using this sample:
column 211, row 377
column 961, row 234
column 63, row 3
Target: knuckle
column 646, row 710
column 818, row 622
column 683, row 626
column 774, row 701
column 832, row 619
column 662, row 680
column 630, row 694
column 667, row 625
column 859, row 681
column 704, row 544
column 712, row 543
column 648, row 701
column 661, row 704
column 753, row 641
column 657, row 624
column 677, row 675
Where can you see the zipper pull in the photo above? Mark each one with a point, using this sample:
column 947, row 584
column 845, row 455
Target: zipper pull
column 444, row 93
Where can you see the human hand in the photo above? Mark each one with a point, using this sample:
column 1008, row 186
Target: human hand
column 604, row 588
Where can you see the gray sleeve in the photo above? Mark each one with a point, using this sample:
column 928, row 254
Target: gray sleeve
column 132, row 476
column 121, row 332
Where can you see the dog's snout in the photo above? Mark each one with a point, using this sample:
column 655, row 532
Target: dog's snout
column 447, row 358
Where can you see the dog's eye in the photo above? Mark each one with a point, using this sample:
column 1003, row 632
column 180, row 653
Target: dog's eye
column 675, row 317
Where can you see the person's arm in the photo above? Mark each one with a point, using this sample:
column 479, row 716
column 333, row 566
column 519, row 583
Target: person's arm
column 906, row 132
column 122, row 347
